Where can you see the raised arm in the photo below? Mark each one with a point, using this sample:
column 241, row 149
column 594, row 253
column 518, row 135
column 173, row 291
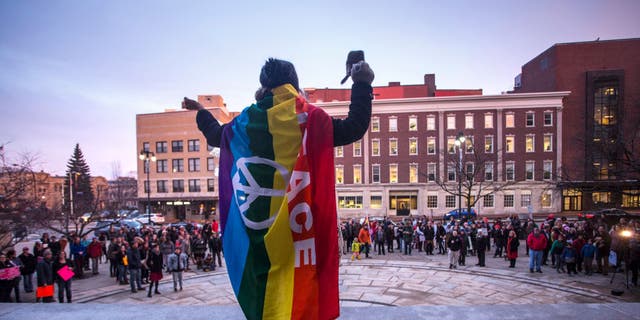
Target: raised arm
column 207, row 124
column 353, row 127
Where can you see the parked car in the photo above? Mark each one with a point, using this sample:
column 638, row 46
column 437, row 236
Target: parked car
column 189, row 226
column 609, row 216
column 156, row 218
column 105, row 226
column 464, row 213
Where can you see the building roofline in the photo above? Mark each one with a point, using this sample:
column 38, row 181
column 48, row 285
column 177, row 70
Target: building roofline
column 509, row 96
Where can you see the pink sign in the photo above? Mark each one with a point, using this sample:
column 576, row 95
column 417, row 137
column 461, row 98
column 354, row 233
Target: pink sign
column 9, row 273
column 65, row 273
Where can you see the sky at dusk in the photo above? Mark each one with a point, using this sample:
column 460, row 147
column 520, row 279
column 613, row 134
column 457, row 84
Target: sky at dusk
column 79, row 71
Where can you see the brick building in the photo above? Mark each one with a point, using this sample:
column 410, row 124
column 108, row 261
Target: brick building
column 409, row 151
column 183, row 180
column 600, row 153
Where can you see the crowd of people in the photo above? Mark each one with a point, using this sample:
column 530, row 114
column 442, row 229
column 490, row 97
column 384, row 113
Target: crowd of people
column 569, row 246
column 134, row 258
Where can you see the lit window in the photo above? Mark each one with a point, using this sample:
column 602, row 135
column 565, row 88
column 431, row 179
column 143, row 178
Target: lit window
column 509, row 120
column 530, row 143
column 508, row 201
column 375, row 202
column 393, row 173
column 357, row 148
column 375, row 147
column 413, row 146
column 349, row 202
column 510, row 170
column 469, row 144
column 431, row 145
column 413, row 173
column 339, row 175
column 468, row 121
column 357, row 174
column 488, row 171
column 510, row 143
column 548, row 119
column 375, row 124
column 451, row 144
column 431, row 171
column 529, row 167
column 393, row 124
column 487, row 201
column 413, row 123
column 547, row 143
column 545, row 200
column 339, row 152
column 375, row 173
column 488, row 144
column 488, row 120
column 451, row 121
column 393, row 147
column 431, row 123
column 630, row 198
column 530, row 119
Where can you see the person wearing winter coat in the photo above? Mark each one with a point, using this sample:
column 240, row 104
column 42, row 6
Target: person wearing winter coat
column 64, row 286
column 569, row 257
column 29, row 262
column 588, row 252
column 512, row 248
column 176, row 264
column 94, row 252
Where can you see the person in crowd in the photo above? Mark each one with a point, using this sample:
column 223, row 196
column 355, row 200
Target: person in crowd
column 11, row 256
column 208, row 264
column 365, row 240
column 545, row 253
column 498, row 239
column 78, row 252
column 429, row 235
column 569, row 257
column 344, row 233
column 38, row 249
column 144, row 268
column 176, row 265
column 537, row 243
column 215, row 246
column 199, row 247
column 577, row 244
column 166, row 247
column 122, row 263
column 440, row 238
column 134, row 264
column 64, row 286
column 155, row 264
column 462, row 257
column 44, row 272
column 380, row 239
column 388, row 236
column 113, row 249
column 6, row 285
column 556, row 250
column 512, row 248
column 603, row 246
column 355, row 249
column 481, row 247
column 634, row 258
column 587, row 253
column 94, row 252
column 453, row 244
column 29, row 262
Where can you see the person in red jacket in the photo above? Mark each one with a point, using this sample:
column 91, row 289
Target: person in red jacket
column 537, row 242
column 94, row 250
column 365, row 240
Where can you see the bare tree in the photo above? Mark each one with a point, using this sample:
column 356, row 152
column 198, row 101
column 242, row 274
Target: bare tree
column 472, row 177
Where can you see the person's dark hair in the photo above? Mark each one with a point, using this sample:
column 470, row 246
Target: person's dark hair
column 275, row 73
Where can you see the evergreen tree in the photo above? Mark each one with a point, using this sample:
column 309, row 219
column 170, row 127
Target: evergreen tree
column 78, row 174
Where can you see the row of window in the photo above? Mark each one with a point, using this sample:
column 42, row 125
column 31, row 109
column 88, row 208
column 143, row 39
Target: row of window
column 176, row 146
column 471, row 171
column 509, row 121
column 162, row 186
column 177, row 165
column 510, row 145
column 451, row 201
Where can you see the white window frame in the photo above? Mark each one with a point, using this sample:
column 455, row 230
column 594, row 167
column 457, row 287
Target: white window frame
column 431, row 170
column 488, row 120
column 493, row 201
column 431, row 123
column 533, row 119
column 533, row 143
column 513, row 200
column 509, row 120
column 468, row 121
column 525, row 199
column 491, row 144
column 393, row 167
column 413, row 166
column 413, row 139
column 550, row 137
column 373, row 150
column 511, row 164
column 533, row 170
column 339, row 151
column 431, row 141
column 357, row 148
column 488, row 168
column 547, row 164
column 375, row 124
column 393, row 124
column 357, row 167
column 391, row 149
column 375, row 167
column 469, row 145
column 544, row 118
column 413, row 120
column 339, row 169
column 513, row 144
column 451, row 122
column 550, row 204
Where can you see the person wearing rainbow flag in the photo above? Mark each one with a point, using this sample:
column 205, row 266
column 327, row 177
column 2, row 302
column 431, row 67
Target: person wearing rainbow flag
column 277, row 194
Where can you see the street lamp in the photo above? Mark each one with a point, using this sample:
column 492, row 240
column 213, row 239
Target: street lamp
column 459, row 144
column 147, row 156
column 72, row 176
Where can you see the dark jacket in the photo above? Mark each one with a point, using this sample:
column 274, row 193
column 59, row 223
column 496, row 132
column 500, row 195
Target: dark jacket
column 345, row 131
column 44, row 270
column 29, row 263
column 454, row 243
column 154, row 262
column 57, row 265
column 133, row 257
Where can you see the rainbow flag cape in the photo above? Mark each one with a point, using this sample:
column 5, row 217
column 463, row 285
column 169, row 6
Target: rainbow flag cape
column 278, row 215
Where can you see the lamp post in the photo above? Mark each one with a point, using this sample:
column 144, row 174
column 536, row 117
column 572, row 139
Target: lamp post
column 459, row 144
column 147, row 156
column 72, row 176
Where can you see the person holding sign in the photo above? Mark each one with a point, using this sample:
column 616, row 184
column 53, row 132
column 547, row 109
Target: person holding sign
column 63, row 273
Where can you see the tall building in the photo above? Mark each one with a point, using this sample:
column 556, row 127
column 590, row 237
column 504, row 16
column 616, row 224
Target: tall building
column 182, row 181
column 408, row 157
column 600, row 153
